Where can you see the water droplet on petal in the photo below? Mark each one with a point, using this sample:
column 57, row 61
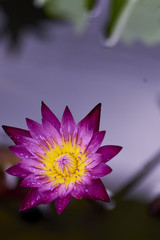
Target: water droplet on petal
column 38, row 198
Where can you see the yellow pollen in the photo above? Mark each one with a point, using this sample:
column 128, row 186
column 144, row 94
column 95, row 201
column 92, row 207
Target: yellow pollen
column 64, row 164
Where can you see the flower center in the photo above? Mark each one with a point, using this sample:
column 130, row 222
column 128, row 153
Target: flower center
column 65, row 164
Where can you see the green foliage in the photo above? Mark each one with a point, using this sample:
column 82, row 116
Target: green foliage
column 132, row 20
column 128, row 20
column 90, row 4
column 117, row 7
column 74, row 11
column 144, row 22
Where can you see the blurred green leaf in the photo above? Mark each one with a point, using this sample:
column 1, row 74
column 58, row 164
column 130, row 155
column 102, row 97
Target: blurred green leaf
column 144, row 22
column 90, row 4
column 120, row 12
column 117, row 7
column 74, row 11
column 133, row 20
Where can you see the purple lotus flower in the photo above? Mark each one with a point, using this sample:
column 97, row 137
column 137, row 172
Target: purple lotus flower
column 61, row 160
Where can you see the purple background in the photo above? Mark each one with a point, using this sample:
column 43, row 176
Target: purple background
column 76, row 70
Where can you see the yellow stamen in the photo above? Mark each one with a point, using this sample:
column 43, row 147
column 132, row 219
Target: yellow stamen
column 64, row 164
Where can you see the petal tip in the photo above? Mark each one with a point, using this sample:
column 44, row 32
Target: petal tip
column 23, row 207
column 59, row 211
column 99, row 105
column 11, row 148
column 67, row 110
column 119, row 148
column 43, row 105
column 107, row 199
column 93, row 118
column 12, row 170
column 6, row 129
column 62, row 203
column 8, row 171
column 29, row 121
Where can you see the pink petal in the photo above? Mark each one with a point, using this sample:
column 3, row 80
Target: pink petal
column 67, row 124
column 32, row 199
column 84, row 135
column 109, row 152
column 48, row 115
column 16, row 133
column 86, row 179
column 78, row 191
column 46, row 187
column 18, row 171
column 33, row 181
column 24, row 168
column 95, row 141
column 52, row 133
column 63, row 190
column 30, row 167
column 94, row 160
column 96, row 191
column 61, row 203
column 100, row 171
column 31, row 145
column 50, row 196
column 36, row 131
column 92, row 119
column 21, row 152
column 31, row 163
